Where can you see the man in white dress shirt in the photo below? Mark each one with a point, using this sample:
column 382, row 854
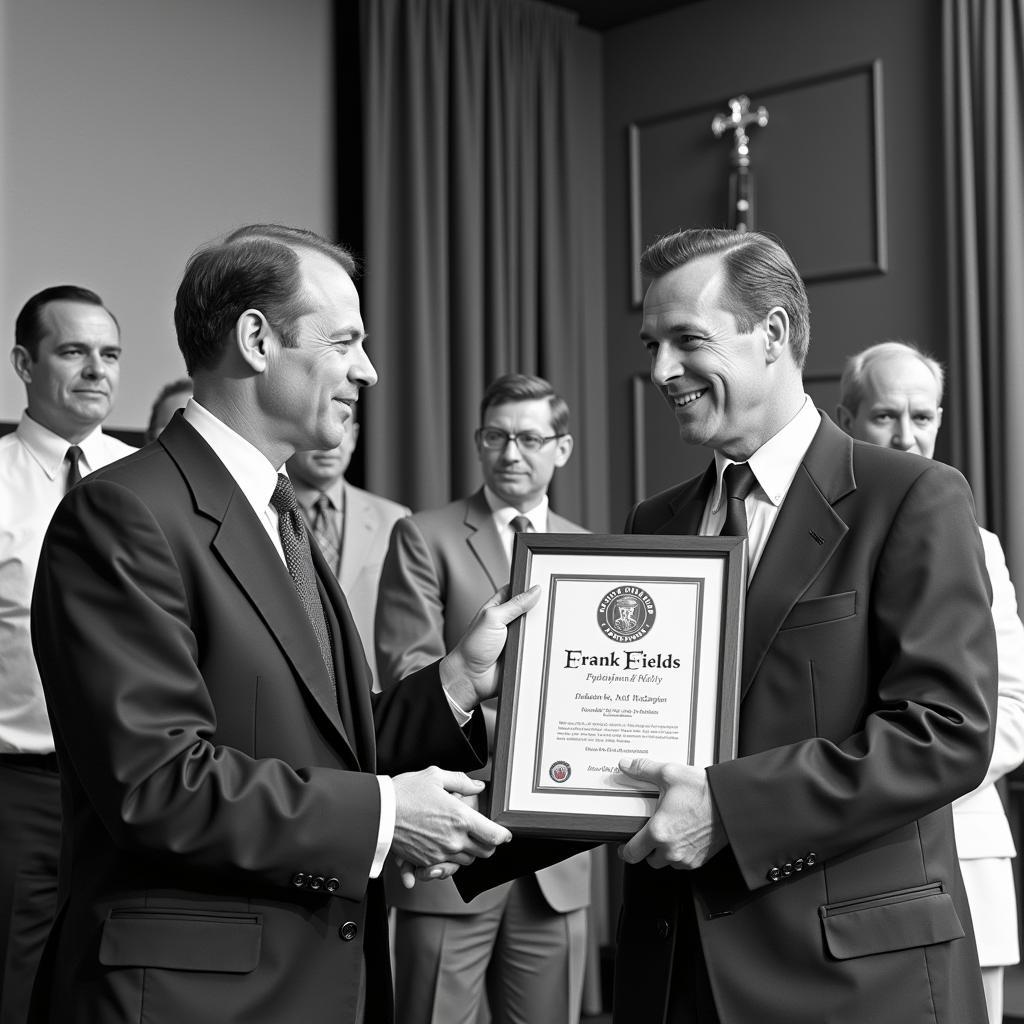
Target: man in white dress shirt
column 67, row 352
column 891, row 395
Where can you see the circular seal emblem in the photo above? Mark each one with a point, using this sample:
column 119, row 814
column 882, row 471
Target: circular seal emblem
column 560, row 771
column 626, row 614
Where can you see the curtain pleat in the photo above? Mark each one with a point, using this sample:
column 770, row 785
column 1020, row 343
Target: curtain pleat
column 983, row 99
column 470, row 224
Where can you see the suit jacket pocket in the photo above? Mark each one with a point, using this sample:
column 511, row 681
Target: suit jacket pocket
column 821, row 609
column 901, row 919
column 181, row 940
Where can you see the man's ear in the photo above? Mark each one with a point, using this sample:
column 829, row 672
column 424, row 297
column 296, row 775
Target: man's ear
column 776, row 335
column 563, row 449
column 938, row 418
column 845, row 419
column 250, row 336
column 22, row 363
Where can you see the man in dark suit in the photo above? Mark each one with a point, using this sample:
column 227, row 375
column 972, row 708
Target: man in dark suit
column 813, row 878
column 211, row 705
column 527, row 938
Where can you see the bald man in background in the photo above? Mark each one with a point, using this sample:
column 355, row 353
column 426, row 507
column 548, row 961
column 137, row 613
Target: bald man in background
column 891, row 395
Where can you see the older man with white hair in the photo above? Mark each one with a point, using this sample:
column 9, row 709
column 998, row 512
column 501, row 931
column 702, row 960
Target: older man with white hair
column 891, row 395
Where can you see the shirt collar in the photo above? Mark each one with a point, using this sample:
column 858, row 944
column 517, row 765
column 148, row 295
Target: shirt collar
column 504, row 514
column 49, row 449
column 249, row 467
column 775, row 463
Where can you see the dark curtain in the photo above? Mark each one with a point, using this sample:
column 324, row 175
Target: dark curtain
column 472, row 236
column 983, row 75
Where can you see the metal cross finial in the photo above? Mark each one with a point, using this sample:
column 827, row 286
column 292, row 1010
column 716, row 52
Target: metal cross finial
column 740, row 115
column 741, row 186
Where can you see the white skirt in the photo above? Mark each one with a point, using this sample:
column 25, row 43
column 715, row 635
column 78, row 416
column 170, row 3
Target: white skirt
column 990, row 893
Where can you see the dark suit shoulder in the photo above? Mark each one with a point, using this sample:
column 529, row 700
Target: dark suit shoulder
column 148, row 473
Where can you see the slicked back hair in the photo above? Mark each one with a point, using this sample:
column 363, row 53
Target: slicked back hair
column 759, row 275
column 519, row 387
column 254, row 267
column 28, row 327
column 851, row 384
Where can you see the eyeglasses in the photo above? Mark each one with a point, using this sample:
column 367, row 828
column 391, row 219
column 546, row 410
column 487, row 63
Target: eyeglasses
column 496, row 440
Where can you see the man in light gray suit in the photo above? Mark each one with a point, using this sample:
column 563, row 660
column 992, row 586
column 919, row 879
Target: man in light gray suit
column 352, row 527
column 525, row 939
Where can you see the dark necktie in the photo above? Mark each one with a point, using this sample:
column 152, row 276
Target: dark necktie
column 74, row 453
column 521, row 524
column 326, row 532
column 300, row 567
column 739, row 481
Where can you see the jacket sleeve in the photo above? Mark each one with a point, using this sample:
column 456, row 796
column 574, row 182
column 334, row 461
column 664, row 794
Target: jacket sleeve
column 409, row 626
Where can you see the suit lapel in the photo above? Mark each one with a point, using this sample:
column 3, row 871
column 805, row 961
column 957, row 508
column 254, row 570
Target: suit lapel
column 688, row 505
column 804, row 538
column 242, row 545
column 484, row 541
column 359, row 529
column 353, row 674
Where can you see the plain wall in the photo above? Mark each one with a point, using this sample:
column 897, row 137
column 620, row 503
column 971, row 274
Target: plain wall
column 132, row 131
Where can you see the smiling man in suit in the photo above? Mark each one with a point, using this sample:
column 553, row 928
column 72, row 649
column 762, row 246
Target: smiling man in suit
column 814, row 877
column 351, row 526
column 526, row 940
column 230, row 784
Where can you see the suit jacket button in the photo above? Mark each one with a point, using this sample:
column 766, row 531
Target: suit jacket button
column 316, row 882
column 332, row 885
column 299, row 879
column 798, row 864
column 348, row 931
column 811, row 859
column 787, row 869
column 774, row 874
column 661, row 926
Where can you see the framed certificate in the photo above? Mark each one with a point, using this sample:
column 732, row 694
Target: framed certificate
column 633, row 650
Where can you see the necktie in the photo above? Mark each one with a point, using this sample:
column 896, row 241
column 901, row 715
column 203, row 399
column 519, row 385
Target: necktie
column 521, row 524
column 739, row 481
column 326, row 532
column 74, row 453
column 300, row 566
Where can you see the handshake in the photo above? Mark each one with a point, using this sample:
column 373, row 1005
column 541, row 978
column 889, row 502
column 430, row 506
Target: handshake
column 437, row 825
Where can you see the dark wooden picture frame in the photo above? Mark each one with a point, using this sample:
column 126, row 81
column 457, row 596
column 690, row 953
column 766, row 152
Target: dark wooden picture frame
column 556, row 557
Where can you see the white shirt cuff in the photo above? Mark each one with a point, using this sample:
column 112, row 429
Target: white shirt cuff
column 386, row 828
column 462, row 717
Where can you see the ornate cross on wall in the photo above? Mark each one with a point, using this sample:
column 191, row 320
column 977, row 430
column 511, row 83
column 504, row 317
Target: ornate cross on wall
column 741, row 181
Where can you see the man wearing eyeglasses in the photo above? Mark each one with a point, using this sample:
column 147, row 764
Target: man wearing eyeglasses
column 526, row 940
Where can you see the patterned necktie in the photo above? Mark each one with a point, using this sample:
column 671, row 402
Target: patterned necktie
column 72, row 456
column 325, row 530
column 300, row 567
column 521, row 524
column 739, row 481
